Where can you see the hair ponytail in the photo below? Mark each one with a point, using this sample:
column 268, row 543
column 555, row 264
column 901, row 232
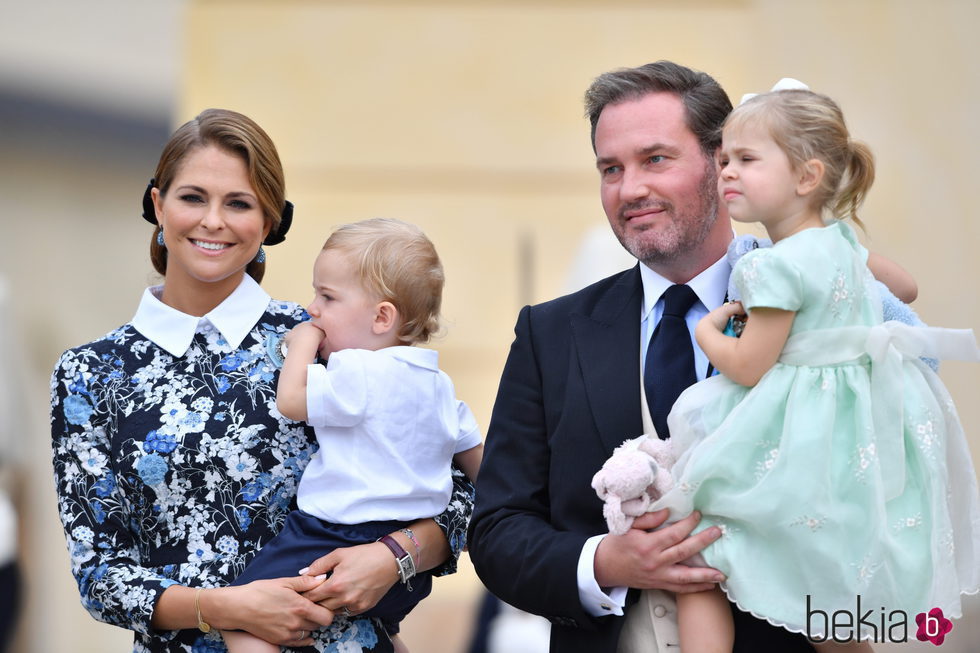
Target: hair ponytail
column 855, row 183
column 808, row 125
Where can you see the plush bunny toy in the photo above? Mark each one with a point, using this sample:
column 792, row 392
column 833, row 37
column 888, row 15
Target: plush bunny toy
column 635, row 476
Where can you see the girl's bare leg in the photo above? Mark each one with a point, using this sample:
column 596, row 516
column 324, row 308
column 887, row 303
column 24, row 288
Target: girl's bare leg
column 705, row 622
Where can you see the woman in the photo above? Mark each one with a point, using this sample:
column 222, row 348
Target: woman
column 173, row 466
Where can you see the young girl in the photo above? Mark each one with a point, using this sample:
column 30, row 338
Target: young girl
column 830, row 455
column 386, row 418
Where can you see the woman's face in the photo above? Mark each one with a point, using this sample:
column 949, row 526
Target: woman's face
column 212, row 221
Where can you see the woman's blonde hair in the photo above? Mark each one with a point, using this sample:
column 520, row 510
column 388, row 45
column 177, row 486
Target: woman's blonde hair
column 397, row 262
column 808, row 125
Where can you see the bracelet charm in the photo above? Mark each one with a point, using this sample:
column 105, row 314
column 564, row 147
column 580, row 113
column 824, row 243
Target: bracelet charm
column 418, row 547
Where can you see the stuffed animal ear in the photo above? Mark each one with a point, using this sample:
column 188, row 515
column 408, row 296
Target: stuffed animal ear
column 599, row 483
column 618, row 522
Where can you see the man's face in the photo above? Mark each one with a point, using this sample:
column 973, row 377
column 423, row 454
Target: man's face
column 658, row 189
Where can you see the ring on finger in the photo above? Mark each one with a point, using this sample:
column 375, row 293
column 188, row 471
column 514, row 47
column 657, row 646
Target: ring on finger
column 302, row 635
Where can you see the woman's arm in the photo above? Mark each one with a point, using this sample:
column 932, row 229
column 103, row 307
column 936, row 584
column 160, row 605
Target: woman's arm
column 270, row 609
column 360, row 575
column 115, row 587
column 745, row 359
column 302, row 344
column 469, row 461
column 893, row 275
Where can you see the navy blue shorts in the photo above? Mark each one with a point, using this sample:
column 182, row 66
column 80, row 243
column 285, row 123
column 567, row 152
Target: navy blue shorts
column 304, row 538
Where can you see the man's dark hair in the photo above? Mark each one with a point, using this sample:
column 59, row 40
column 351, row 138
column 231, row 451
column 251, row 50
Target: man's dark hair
column 706, row 103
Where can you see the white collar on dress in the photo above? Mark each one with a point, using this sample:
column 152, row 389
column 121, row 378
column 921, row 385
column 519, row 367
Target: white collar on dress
column 173, row 330
column 711, row 286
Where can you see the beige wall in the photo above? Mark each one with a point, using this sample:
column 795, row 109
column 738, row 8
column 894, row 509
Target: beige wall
column 465, row 117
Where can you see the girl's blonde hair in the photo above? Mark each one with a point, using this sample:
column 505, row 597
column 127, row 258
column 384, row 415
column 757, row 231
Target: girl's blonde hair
column 808, row 125
column 397, row 262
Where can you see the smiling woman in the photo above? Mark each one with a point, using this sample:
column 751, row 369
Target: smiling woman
column 173, row 466
column 226, row 166
column 212, row 226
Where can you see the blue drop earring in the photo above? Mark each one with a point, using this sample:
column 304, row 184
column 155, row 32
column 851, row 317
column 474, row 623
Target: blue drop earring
column 260, row 257
column 160, row 241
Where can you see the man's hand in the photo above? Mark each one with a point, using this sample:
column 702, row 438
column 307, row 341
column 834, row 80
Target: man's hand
column 649, row 559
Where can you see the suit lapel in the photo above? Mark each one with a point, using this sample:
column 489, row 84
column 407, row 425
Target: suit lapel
column 607, row 344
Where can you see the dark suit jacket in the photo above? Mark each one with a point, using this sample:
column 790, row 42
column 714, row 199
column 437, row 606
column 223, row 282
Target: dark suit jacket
column 568, row 396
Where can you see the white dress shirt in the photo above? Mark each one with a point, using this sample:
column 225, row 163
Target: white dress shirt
column 388, row 423
column 711, row 287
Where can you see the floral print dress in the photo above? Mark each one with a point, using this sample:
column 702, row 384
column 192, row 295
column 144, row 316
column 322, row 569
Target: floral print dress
column 174, row 467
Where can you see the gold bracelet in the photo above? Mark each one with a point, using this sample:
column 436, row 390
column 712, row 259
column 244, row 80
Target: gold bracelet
column 202, row 625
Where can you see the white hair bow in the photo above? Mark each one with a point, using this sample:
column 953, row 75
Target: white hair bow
column 785, row 84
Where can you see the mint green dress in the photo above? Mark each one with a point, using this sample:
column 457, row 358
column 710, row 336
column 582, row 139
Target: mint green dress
column 844, row 471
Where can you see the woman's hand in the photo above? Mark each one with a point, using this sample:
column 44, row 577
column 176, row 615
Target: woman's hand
column 358, row 576
column 273, row 610
column 719, row 317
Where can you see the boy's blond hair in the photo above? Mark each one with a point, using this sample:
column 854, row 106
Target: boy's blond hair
column 397, row 262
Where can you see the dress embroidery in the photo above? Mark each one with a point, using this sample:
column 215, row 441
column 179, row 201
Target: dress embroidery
column 862, row 461
column 913, row 521
column 763, row 466
column 841, row 296
column 927, row 437
column 813, row 523
column 865, row 570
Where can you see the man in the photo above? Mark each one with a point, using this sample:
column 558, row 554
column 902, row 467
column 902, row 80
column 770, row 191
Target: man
column 573, row 386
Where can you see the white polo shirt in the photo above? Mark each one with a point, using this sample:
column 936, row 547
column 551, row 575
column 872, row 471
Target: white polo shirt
column 388, row 424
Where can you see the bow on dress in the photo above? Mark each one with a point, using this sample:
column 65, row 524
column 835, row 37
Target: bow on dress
column 886, row 346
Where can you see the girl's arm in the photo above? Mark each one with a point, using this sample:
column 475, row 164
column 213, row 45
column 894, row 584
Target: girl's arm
column 746, row 359
column 893, row 275
column 302, row 342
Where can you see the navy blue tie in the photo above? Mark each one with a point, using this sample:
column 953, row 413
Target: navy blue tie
column 669, row 367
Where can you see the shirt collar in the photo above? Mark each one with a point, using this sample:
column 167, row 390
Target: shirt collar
column 173, row 330
column 711, row 286
column 427, row 358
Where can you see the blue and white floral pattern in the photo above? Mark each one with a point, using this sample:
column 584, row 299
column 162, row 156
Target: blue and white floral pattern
column 177, row 470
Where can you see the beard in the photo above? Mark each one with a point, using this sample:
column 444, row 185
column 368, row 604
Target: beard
column 687, row 228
